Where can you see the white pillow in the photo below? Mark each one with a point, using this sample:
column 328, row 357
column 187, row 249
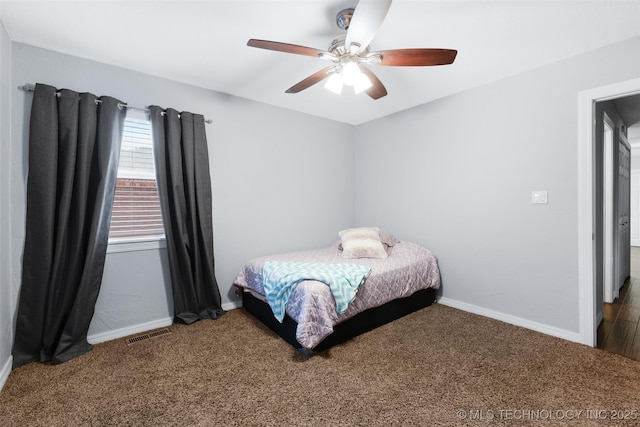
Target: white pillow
column 362, row 242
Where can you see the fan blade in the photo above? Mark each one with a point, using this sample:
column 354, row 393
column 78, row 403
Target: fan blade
column 377, row 89
column 417, row 57
column 311, row 80
column 285, row 47
column 365, row 22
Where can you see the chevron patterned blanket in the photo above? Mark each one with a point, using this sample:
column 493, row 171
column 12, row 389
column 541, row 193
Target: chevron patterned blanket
column 281, row 277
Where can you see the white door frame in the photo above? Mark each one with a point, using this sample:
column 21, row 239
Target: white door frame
column 586, row 187
column 610, row 272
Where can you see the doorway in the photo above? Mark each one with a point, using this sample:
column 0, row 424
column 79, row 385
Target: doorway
column 618, row 331
column 613, row 181
column 590, row 208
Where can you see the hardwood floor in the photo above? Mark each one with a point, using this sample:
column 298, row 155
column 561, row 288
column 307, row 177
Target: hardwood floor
column 619, row 331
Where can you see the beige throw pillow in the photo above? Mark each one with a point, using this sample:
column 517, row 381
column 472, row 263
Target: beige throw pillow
column 362, row 242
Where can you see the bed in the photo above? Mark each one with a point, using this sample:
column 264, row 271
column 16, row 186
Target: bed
column 400, row 281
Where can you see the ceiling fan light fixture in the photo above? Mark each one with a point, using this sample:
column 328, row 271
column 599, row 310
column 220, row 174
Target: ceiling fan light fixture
column 350, row 52
column 361, row 83
column 350, row 72
column 334, row 83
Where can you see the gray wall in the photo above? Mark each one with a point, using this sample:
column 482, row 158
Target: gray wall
column 456, row 175
column 6, row 293
column 279, row 183
column 133, row 298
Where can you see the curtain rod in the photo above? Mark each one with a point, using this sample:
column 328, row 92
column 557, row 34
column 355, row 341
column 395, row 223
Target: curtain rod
column 30, row 87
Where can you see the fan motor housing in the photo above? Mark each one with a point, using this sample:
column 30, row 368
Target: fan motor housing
column 343, row 18
column 337, row 45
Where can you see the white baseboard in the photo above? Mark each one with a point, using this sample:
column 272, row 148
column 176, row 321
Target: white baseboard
column 231, row 305
column 514, row 320
column 129, row 330
column 143, row 327
column 5, row 371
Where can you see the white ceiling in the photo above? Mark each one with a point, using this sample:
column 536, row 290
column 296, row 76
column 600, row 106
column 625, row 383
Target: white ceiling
column 204, row 43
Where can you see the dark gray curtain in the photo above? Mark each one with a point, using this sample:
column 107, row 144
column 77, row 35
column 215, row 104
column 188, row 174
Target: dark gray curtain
column 74, row 147
column 184, row 187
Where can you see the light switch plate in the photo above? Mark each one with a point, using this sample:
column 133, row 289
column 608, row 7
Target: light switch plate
column 539, row 197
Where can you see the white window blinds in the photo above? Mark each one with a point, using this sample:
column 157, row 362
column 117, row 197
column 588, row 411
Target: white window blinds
column 136, row 209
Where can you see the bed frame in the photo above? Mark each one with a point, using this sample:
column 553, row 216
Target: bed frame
column 350, row 328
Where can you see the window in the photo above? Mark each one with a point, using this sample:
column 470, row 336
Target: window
column 136, row 215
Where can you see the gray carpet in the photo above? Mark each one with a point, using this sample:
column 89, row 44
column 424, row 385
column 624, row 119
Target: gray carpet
column 438, row 366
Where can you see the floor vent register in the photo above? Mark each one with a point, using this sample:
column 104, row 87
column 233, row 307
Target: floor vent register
column 147, row 336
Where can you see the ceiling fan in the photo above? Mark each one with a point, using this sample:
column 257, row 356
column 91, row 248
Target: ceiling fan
column 349, row 53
